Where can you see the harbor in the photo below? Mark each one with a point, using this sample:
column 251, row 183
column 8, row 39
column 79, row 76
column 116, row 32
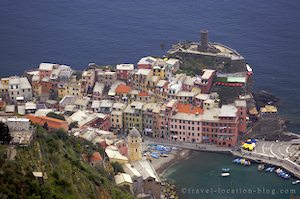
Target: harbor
column 279, row 154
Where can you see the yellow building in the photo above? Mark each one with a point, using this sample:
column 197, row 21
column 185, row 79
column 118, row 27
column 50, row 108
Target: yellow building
column 159, row 71
column 133, row 117
column 134, row 141
column 73, row 87
column 4, row 88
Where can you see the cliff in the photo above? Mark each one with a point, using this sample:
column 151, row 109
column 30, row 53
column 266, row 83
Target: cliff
column 65, row 175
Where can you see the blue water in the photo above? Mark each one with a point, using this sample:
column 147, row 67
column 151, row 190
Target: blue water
column 110, row 32
column 200, row 177
column 78, row 32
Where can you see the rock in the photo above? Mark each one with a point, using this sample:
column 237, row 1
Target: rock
column 263, row 98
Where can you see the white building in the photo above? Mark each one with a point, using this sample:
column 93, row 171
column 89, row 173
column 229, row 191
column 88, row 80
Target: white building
column 19, row 87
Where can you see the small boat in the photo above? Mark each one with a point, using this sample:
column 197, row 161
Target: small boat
column 268, row 169
column 272, row 169
column 155, row 155
column 260, row 167
column 247, row 163
column 236, row 160
column 225, row 169
column 225, row 174
column 295, row 182
column 286, row 176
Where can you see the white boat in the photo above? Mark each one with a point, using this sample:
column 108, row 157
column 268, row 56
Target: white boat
column 225, row 174
column 296, row 182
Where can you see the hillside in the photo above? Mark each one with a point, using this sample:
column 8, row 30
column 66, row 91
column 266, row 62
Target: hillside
column 68, row 176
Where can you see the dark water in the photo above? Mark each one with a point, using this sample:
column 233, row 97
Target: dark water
column 109, row 32
column 199, row 177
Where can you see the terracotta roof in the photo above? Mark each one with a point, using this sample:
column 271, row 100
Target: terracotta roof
column 188, row 108
column 143, row 94
column 96, row 157
column 122, row 88
column 52, row 122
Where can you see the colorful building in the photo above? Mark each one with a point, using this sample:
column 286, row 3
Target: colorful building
column 133, row 117
column 146, row 63
column 123, row 71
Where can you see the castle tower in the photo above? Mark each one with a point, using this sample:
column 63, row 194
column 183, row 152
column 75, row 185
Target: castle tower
column 134, row 141
column 204, row 40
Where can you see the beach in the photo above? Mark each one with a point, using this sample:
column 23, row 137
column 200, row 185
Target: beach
column 162, row 164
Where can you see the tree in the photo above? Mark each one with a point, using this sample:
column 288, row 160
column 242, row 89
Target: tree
column 117, row 167
column 56, row 116
column 4, row 134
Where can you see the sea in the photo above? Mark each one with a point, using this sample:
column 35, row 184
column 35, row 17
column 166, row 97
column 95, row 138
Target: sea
column 108, row 32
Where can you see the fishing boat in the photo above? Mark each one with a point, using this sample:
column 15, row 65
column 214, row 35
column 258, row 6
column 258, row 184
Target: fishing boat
column 295, row 182
column 225, row 174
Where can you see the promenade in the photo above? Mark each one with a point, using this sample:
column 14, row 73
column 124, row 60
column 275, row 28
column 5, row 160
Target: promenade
column 273, row 153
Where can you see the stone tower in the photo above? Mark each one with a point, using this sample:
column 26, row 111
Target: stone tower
column 134, row 141
column 204, row 41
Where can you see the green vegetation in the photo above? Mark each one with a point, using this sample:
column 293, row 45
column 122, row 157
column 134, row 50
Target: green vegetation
column 59, row 156
column 73, row 125
column 117, row 167
column 56, row 116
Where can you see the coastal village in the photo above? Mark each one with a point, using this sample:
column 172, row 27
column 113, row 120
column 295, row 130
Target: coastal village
column 144, row 114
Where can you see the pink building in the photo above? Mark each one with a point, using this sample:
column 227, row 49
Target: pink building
column 205, row 81
column 45, row 70
column 122, row 147
column 165, row 119
column 123, row 71
column 220, row 126
column 87, row 80
column 101, row 122
column 146, row 62
column 189, row 83
column 186, row 124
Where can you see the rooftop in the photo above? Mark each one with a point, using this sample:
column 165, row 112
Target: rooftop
column 125, row 66
column 189, row 108
column 143, row 71
column 207, row 73
column 147, row 60
column 269, row 109
column 99, row 87
column 46, row 66
column 113, row 153
column 122, row 88
column 122, row 178
column 228, row 111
